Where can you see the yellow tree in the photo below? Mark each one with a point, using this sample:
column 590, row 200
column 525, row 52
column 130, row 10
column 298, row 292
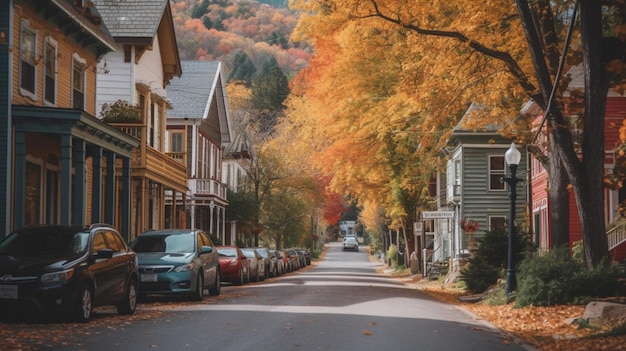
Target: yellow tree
column 382, row 106
column 495, row 53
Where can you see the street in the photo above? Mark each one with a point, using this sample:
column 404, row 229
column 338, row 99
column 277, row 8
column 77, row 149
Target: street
column 339, row 304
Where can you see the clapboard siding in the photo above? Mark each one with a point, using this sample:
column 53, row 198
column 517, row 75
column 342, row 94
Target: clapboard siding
column 477, row 201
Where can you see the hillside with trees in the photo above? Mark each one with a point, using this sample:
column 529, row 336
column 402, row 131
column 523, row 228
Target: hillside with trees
column 220, row 29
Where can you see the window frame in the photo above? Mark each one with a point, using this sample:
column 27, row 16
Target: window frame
column 496, row 174
column 79, row 62
column 28, row 59
column 50, row 71
column 177, row 141
column 492, row 226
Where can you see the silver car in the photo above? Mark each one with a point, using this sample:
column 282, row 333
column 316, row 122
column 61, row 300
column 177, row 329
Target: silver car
column 350, row 243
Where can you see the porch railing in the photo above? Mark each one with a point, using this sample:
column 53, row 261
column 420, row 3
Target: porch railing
column 207, row 187
column 616, row 236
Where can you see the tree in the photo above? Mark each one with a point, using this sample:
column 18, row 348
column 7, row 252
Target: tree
column 483, row 42
column 243, row 69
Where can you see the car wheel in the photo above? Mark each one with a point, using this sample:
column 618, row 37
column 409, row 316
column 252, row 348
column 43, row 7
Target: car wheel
column 129, row 304
column 217, row 287
column 240, row 280
column 199, row 292
column 84, row 305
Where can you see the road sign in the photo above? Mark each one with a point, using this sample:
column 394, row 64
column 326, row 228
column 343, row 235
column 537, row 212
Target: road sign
column 437, row 214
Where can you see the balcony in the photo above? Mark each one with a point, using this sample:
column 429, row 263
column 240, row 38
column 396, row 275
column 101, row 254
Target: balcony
column 147, row 162
column 207, row 188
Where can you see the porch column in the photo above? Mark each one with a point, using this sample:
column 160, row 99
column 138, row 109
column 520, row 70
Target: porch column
column 79, row 182
column 223, row 222
column 66, row 179
column 96, row 191
column 19, row 188
column 125, row 199
column 109, row 208
column 211, row 220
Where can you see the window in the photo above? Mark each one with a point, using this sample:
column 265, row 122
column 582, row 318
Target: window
column 78, row 83
column 176, row 144
column 496, row 172
column 28, row 66
column 98, row 243
column 50, row 71
column 497, row 224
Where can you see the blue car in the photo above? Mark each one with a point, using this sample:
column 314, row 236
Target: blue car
column 177, row 262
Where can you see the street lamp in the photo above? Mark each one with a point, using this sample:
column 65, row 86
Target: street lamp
column 512, row 158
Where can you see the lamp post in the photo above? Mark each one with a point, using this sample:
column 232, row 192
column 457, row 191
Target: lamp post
column 512, row 158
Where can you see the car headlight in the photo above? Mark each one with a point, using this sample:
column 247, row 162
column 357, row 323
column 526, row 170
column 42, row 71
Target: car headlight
column 57, row 277
column 185, row 268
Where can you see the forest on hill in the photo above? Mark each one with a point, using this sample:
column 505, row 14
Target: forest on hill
column 219, row 30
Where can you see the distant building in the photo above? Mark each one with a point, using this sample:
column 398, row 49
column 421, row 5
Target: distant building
column 347, row 228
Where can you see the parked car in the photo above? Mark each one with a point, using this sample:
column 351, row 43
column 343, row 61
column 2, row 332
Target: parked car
column 350, row 243
column 180, row 262
column 287, row 261
column 307, row 256
column 269, row 261
column 257, row 265
column 234, row 265
column 67, row 269
column 292, row 256
column 280, row 263
column 301, row 258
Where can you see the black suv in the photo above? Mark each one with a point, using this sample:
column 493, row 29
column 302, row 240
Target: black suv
column 68, row 269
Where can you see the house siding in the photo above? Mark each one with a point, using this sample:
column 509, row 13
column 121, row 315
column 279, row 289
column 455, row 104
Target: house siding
column 65, row 51
column 477, row 201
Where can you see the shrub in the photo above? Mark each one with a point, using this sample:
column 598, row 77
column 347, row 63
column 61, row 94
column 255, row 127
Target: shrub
column 121, row 112
column 489, row 259
column 557, row 277
column 479, row 275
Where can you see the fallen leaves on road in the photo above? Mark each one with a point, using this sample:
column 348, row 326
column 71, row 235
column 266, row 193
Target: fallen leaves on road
column 545, row 328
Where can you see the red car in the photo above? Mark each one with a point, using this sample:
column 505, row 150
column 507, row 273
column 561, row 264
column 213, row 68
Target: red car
column 234, row 265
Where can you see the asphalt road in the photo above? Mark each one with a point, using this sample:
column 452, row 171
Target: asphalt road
column 340, row 304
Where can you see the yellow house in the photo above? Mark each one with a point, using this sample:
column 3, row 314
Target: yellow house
column 62, row 159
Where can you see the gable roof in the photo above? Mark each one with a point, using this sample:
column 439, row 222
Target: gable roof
column 192, row 94
column 136, row 18
column 138, row 22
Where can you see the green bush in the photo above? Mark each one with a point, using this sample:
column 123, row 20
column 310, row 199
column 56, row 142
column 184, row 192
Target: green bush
column 556, row 278
column 479, row 275
column 489, row 259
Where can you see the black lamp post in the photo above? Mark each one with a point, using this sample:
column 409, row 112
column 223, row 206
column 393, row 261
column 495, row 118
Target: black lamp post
column 512, row 158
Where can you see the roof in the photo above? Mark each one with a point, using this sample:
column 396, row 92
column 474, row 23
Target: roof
column 132, row 18
column 191, row 93
column 473, row 112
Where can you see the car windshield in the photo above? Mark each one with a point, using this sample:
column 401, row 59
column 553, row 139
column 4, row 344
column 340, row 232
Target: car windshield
column 262, row 253
column 170, row 243
column 248, row 253
column 46, row 241
column 225, row 252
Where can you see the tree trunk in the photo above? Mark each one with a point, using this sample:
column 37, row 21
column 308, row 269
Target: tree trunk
column 587, row 176
column 559, row 203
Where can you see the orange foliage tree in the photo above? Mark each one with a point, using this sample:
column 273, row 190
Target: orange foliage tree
column 386, row 70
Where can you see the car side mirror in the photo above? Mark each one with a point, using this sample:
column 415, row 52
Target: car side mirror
column 206, row 250
column 104, row 253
